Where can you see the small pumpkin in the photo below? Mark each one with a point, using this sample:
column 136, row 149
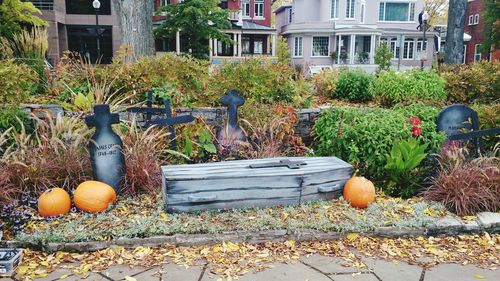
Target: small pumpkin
column 93, row 196
column 54, row 202
column 359, row 192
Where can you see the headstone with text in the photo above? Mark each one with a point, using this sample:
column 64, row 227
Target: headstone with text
column 106, row 148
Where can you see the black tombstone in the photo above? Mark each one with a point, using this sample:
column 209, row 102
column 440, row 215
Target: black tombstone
column 457, row 118
column 232, row 132
column 106, row 148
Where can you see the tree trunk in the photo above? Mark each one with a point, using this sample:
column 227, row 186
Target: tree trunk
column 136, row 24
column 454, row 49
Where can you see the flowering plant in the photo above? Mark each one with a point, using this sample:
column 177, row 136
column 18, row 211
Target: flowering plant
column 416, row 130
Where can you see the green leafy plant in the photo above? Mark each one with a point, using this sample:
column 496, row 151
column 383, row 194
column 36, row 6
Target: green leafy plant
column 17, row 82
column 354, row 85
column 325, row 82
column 409, row 87
column 477, row 82
column 16, row 15
column 402, row 163
column 169, row 91
column 364, row 136
column 383, row 57
column 15, row 117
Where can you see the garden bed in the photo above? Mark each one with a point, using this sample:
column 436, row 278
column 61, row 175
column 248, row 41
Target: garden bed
column 141, row 221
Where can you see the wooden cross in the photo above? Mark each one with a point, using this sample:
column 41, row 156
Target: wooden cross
column 170, row 121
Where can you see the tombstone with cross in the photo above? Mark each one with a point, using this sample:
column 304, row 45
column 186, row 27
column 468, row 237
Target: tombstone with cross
column 232, row 132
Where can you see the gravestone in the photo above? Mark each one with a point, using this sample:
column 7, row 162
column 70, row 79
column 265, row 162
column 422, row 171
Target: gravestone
column 105, row 147
column 457, row 118
column 232, row 132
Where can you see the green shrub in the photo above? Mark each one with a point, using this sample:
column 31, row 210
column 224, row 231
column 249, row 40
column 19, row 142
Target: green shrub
column 408, row 87
column 473, row 82
column 354, row 85
column 254, row 78
column 363, row 137
column 489, row 118
column 325, row 82
column 17, row 82
column 13, row 116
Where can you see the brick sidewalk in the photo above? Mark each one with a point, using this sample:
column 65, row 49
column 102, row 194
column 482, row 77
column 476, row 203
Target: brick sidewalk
column 313, row 268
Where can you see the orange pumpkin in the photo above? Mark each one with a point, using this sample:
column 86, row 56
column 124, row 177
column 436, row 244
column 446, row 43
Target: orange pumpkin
column 359, row 192
column 93, row 196
column 54, row 202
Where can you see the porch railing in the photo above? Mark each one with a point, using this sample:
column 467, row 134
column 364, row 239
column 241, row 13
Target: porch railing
column 47, row 5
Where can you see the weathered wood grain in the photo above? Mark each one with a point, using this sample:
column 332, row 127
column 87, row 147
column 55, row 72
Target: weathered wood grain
column 233, row 184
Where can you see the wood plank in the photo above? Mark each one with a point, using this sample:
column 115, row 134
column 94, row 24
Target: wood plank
column 259, row 203
column 232, row 195
column 322, row 191
column 327, row 176
column 212, row 185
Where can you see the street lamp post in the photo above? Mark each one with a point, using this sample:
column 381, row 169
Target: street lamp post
column 97, row 6
column 425, row 16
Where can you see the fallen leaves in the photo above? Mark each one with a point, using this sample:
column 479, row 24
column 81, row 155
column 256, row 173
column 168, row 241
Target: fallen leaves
column 231, row 260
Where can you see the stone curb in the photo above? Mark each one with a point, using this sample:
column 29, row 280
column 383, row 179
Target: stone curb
column 485, row 222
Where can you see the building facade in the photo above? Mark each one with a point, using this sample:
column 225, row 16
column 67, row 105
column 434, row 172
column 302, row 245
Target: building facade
column 347, row 32
column 474, row 27
column 251, row 31
column 72, row 27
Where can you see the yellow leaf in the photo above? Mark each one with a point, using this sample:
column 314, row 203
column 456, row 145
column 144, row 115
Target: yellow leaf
column 352, row 236
column 128, row 278
column 469, row 218
column 63, row 276
column 478, row 276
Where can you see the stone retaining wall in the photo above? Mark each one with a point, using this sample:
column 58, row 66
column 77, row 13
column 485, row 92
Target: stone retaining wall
column 212, row 116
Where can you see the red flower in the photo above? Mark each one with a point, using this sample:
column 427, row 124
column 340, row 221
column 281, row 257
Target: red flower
column 416, row 121
column 416, row 131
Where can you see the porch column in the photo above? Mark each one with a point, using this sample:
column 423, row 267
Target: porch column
column 210, row 48
column 275, row 45
column 339, row 48
column 372, row 49
column 240, row 38
column 216, row 44
column 352, row 49
column 268, row 44
column 178, row 42
column 235, row 44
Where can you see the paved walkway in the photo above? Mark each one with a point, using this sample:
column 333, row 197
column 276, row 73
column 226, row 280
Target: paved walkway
column 313, row 268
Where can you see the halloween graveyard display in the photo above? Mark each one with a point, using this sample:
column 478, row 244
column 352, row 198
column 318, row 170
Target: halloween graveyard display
column 105, row 147
column 253, row 183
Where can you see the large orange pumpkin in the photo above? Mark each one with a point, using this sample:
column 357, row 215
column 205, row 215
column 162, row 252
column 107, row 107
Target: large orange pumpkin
column 93, row 196
column 359, row 192
column 54, row 202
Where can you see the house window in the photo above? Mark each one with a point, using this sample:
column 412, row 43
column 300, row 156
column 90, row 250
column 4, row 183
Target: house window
column 394, row 48
column 245, row 45
column 421, row 49
column 396, row 11
column 471, row 20
column 245, row 7
column 84, row 7
column 320, row 46
column 408, row 49
column 258, row 46
column 349, row 9
column 476, row 19
column 297, row 47
column 335, row 9
column 477, row 53
column 259, row 8
column 290, row 15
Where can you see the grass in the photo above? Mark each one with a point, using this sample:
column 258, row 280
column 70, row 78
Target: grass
column 144, row 217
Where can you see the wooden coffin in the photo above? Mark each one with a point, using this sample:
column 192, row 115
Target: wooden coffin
column 243, row 184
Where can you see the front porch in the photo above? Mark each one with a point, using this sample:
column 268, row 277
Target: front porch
column 355, row 48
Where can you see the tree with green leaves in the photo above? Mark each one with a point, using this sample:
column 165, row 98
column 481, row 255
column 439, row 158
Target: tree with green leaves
column 197, row 21
column 383, row 56
column 16, row 15
column 491, row 20
column 282, row 50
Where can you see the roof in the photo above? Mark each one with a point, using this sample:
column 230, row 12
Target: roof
column 282, row 7
column 247, row 25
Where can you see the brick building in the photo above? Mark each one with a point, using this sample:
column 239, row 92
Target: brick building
column 475, row 28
